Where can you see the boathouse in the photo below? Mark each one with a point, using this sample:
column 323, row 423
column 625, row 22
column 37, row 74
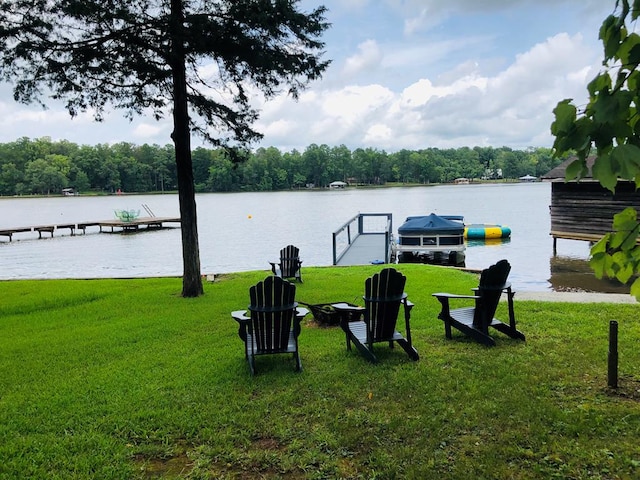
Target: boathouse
column 584, row 210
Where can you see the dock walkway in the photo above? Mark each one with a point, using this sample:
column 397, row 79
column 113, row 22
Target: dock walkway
column 365, row 249
column 112, row 225
column 364, row 239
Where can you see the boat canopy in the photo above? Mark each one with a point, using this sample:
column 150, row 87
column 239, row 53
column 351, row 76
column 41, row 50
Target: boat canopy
column 432, row 224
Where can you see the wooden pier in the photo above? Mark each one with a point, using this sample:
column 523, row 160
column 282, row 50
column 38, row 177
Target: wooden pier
column 110, row 226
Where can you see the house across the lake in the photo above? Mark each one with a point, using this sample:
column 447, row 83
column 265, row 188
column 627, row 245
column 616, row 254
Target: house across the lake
column 337, row 184
column 528, row 178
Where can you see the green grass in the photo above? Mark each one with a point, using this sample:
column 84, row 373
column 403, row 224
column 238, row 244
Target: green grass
column 116, row 379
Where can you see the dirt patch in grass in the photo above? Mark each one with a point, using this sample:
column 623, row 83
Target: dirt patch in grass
column 628, row 387
column 266, row 443
column 179, row 465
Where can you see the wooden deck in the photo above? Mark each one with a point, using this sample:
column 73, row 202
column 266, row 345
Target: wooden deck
column 104, row 226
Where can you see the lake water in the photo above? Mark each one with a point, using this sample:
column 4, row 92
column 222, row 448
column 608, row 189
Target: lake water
column 244, row 231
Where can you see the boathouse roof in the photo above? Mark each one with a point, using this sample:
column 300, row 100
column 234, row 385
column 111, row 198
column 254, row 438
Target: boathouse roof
column 560, row 171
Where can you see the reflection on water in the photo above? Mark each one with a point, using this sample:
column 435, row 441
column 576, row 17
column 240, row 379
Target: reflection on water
column 572, row 274
column 489, row 242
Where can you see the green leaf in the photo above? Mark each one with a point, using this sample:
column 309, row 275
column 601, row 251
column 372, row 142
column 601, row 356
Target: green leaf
column 601, row 82
column 634, row 55
column 627, row 52
column 627, row 159
column 622, row 266
column 576, row 169
column 632, row 81
column 635, row 288
column 601, row 245
column 631, row 240
column 618, row 239
column 626, row 220
column 635, row 10
column 610, row 34
column 603, row 172
column 608, row 265
column 612, row 108
column 597, row 264
column 565, row 114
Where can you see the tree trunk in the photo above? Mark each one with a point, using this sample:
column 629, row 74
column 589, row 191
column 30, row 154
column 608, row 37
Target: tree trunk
column 191, row 279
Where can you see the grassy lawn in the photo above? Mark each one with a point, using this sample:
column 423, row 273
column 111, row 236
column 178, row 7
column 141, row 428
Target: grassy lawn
column 118, row 379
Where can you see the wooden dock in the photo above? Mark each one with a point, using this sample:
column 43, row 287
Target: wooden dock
column 110, row 226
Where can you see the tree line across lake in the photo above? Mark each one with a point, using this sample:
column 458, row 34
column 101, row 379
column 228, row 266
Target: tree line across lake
column 43, row 166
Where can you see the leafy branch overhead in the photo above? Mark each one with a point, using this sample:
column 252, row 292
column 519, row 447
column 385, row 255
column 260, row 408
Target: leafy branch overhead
column 609, row 128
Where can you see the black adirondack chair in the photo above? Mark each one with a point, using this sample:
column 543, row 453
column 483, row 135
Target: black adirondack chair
column 384, row 293
column 271, row 325
column 290, row 264
column 475, row 321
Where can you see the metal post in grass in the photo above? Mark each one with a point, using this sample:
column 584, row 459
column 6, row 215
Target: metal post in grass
column 613, row 354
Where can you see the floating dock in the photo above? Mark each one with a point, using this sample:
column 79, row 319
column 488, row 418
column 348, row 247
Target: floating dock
column 110, row 226
column 365, row 239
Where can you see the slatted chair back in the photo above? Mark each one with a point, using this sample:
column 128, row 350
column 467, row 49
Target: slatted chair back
column 384, row 292
column 272, row 310
column 290, row 261
column 493, row 280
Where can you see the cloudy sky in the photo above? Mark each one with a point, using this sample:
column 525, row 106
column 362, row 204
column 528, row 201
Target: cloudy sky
column 404, row 74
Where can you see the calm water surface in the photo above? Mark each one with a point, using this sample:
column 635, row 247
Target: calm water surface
column 244, row 231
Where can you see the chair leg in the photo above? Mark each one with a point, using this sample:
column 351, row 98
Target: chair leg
column 296, row 357
column 447, row 328
column 510, row 331
column 252, row 367
column 367, row 352
column 407, row 347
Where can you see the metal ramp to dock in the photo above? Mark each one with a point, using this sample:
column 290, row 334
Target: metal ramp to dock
column 365, row 239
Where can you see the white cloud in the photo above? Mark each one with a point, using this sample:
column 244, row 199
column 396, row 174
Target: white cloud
column 147, row 131
column 378, row 134
column 368, row 57
column 513, row 107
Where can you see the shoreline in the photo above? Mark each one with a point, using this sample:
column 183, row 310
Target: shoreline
column 576, row 297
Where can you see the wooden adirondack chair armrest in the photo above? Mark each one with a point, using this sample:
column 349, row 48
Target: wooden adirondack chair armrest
column 408, row 305
column 447, row 296
column 345, row 307
column 240, row 316
column 273, row 267
column 443, row 298
column 505, row 288
column 297, row 320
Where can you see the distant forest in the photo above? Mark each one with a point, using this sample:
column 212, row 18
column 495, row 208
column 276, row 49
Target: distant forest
column 42, row 166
